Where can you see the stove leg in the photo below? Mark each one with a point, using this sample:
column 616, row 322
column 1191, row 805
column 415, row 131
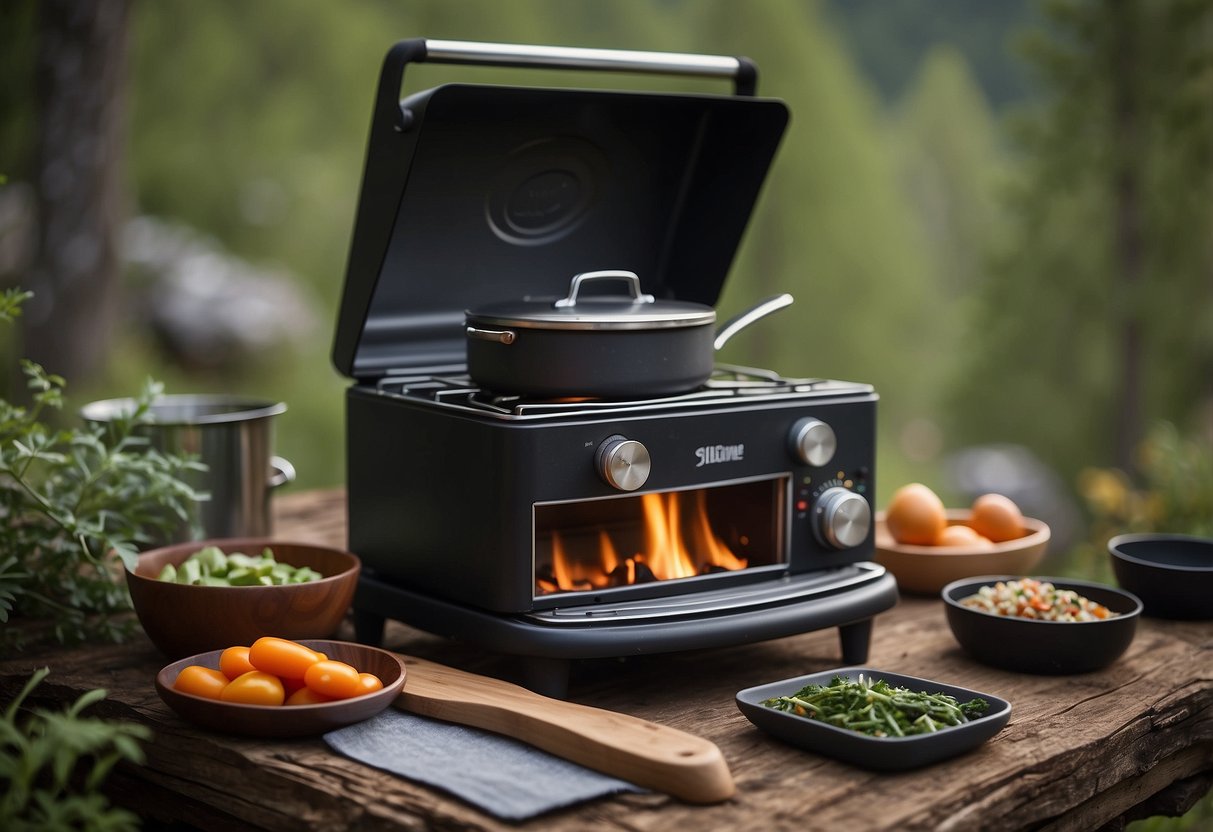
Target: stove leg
column 855, row 638
column 368, row 627
column 549, row 677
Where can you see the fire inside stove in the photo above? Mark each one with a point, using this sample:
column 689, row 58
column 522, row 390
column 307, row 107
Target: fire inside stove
column 667, row 536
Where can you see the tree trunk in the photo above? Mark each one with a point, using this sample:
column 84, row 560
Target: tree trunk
column 79, row 184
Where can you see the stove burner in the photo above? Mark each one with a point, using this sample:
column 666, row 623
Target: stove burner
column 451, row 387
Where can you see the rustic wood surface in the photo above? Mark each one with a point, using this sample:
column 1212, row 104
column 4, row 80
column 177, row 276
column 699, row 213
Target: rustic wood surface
column 1079, row 753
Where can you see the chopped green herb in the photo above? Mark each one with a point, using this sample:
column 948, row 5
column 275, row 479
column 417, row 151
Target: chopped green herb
column 877, row 708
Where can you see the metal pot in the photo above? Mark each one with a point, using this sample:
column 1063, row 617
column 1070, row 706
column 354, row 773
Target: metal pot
column 232, row 436
column 600, row 345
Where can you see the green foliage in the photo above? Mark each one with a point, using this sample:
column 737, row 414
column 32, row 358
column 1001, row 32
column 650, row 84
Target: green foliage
column 53, row 765
column 1099, row 304
column 75, row 505
column 1174, row 494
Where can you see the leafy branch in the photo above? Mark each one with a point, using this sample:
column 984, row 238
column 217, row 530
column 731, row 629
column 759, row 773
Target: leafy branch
column 76, row 506
column 54, row 763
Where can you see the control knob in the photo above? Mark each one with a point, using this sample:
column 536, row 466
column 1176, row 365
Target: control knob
column 623, row 463
column 843, row 517
column 813, row 441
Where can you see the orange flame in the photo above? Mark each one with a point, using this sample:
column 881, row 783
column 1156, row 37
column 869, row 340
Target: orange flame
column 669, row 552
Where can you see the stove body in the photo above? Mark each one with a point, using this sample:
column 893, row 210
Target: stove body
column 583, row 528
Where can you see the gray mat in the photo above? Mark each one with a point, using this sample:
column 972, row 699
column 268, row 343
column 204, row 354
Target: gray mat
column 504, row 777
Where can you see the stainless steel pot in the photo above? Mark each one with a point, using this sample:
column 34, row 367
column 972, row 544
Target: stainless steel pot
column 232, row 436
column 599, row 345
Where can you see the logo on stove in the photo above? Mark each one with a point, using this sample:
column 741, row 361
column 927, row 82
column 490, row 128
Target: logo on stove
column 712, row 454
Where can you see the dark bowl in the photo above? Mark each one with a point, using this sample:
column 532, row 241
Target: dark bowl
column 181, row 619
column 1172, row 574
column 881, row 753
column 287, row 720
column 1046, row 647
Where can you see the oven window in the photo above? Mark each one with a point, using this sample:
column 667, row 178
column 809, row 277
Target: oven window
column 594, row 545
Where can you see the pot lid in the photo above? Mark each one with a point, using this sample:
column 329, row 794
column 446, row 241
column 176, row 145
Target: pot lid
column 476, row 195
column 632, row 309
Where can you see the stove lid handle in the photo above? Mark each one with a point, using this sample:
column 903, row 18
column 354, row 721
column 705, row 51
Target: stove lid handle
column 741, row 70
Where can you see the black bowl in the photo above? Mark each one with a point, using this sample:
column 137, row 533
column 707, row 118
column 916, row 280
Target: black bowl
column 1171, row 573
column 1046, row 647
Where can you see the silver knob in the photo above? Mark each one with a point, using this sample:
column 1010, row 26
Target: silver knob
column 813, row 441
column 623, row 463
column 843, row 518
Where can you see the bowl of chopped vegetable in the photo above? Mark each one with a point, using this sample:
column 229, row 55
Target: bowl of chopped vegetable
column 282, row 688
column 1041, row 625
column 1171, row 573
column 874, row 718
column 209, row 594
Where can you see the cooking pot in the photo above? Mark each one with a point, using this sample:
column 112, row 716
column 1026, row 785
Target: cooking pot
column 605, row 345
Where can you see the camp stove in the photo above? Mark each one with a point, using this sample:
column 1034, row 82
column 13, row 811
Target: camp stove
column 578, row 527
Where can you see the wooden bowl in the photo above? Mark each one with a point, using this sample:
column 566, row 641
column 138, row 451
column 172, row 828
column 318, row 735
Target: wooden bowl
column 182, row 620
column 287, row 720
column 925, row 570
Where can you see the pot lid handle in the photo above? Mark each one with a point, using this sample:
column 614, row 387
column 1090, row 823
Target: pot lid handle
column 632, row 279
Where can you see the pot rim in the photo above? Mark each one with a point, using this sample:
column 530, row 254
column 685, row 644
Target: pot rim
column 195, row 409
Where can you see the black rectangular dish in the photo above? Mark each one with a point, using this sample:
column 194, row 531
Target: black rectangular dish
column 880, row 753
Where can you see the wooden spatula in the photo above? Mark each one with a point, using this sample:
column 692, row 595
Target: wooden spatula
column 654, row 756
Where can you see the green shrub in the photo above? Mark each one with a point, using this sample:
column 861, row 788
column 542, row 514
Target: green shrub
column 74, row 506
column 52, row 765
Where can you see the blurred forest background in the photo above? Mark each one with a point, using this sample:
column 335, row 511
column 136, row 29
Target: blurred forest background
column 999, row 214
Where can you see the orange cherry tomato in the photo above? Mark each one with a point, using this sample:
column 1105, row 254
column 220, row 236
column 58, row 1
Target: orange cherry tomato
column 335, row 679
column 281, row 657
column 307, row 696
column 201, row 681
column 234, row 662
column 254, row 688
column 369, row 683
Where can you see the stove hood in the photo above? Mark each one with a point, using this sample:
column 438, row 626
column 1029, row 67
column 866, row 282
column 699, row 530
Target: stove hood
column 474, row 194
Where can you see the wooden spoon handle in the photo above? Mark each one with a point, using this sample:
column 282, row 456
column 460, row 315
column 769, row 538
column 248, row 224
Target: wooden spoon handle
column 650, row 755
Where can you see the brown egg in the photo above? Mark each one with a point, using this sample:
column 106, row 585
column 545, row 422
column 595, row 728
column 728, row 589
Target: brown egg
column 915, row 515
column 996, row 517
column 963, row 536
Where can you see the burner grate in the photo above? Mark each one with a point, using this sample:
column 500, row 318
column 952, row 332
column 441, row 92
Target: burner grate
column 456, row 389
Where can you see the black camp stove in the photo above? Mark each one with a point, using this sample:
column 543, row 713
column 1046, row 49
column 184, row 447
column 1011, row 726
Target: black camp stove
column 581, row 527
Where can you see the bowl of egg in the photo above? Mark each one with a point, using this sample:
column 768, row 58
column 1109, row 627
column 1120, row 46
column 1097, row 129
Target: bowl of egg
column 927, row 546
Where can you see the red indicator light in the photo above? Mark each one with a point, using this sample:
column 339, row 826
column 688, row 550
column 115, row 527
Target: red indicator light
column 802, row 505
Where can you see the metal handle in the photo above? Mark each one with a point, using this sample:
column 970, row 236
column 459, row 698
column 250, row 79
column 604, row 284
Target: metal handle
column 631, row 278
column 500, row 336
column 284, row 472
column 764, row 308
column 420, row 50
column 569, row 57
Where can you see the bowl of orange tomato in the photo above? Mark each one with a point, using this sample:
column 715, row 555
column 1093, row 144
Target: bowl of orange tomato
column 281, row 688
column 927, row 546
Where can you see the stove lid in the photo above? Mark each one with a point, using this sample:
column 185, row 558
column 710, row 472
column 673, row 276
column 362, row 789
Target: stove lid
column 475, row 194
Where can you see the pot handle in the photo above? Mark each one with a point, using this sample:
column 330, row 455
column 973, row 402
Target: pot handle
column 499, row 336
column 283, row 472
column 632, row 279
column 740, row 322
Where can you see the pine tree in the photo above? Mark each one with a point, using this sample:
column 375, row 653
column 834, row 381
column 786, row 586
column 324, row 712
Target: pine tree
column 1098, row 315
